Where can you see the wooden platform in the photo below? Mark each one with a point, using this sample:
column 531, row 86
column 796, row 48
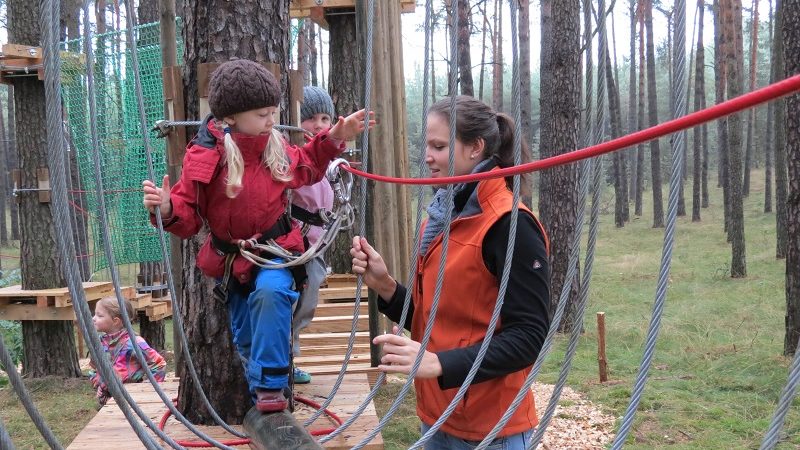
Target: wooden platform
column 56, row 304
column 110, row 430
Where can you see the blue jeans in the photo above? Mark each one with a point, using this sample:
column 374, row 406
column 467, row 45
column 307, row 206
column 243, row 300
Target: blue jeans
column 445, row 441
column 261, row 322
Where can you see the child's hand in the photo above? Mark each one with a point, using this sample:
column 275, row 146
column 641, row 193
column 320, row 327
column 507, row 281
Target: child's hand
column 157, row 196
column 348, row 127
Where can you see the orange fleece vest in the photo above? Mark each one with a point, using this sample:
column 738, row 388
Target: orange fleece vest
column 469, row 293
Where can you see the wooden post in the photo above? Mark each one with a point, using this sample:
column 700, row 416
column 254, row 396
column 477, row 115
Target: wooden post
column 277, row 431
column 80, row 340
column 601, row 347
column 295, row 100
column 388, row 205
column 173, row 110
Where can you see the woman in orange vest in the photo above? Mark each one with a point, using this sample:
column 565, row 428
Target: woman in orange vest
column 479, row 231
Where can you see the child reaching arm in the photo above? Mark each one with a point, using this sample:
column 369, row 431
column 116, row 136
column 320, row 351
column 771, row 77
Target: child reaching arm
column 235, row 175
column 118, row 347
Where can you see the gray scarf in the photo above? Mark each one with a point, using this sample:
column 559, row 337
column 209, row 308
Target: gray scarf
column 437, row 214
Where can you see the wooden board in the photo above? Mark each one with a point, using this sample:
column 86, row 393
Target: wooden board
column 337, row 324
column 320, row 339
column 110, row 429
column 341, row 293
column 340, row 309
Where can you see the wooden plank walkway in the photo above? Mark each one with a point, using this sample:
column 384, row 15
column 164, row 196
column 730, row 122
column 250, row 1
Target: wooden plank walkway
column 110, row 430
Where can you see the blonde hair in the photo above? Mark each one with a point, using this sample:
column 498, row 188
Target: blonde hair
column 275, row 159
column 111, row 305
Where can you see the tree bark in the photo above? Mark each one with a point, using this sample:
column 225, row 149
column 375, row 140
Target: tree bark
column 616, row 131
column 560, row 105
column 523, row 19
column 791, row 38
column 769, row 146
column 484, row 30
column 4, row 182
column 464, row 59
column 697, row 133
column 147, row 12
column 258, row 31
column 346, row 83
column 652, row 104
column 751, row 114
column 735, row 62
column 49, row 346
column 12, row 161
column 632, row 102
column 303, row 50
column 641, row 114
column 720, row 76
column 497, row 65
column 781, row 180
column 312, row 53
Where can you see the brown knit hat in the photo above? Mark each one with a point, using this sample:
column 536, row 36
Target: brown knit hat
column 241, row 85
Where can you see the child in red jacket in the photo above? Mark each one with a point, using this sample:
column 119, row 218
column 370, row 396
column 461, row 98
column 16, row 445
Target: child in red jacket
column 235, row 175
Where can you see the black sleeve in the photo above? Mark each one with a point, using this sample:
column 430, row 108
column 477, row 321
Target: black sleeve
column 524, row 317
column 394, row 307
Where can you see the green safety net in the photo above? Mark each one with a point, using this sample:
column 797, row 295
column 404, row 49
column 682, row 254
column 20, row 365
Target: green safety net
column 121, row 139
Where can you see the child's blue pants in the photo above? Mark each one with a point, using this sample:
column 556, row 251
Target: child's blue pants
column 261, row 324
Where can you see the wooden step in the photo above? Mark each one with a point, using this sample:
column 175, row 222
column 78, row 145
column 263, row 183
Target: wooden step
column 341, row 280
column 329, row 350
column 323, row 339
column 340, row 309
column 335, row 368
column 355, row 358
column 337, row 324
column 347, row 293
column 141, row 301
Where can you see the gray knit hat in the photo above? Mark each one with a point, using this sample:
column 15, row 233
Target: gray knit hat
column 316, row 101
column 241, row 85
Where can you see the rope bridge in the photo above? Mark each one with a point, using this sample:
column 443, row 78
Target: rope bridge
column 590, row 170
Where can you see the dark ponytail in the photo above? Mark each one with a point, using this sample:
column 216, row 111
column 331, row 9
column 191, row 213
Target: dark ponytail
column 504, row 155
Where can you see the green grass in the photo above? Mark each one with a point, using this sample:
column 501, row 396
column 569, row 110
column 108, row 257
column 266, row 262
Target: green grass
column 718, row 368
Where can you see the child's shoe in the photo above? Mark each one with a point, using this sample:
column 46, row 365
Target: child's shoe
column 301, row 376
column 271, row 400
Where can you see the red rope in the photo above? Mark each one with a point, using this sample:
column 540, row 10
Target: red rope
column 734, row 105
column 245, row 441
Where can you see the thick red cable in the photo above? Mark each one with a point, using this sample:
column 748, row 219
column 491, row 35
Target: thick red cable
column 734, row 105
column 246, row 441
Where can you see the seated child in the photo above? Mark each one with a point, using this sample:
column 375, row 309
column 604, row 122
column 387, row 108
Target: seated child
column 118, row 345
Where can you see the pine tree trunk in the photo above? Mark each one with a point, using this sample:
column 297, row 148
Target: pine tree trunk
column 49, row 346
column 4, row 182
column 258, row 31
column 12, row 161
column 720, row 75
column 632, row 101
column 769, row 146
column 616, row 131
column 147, row 12
column 346, row 83
column 734, row 60
column 302, row 51
column 699, row 94
column 482, row 76
column 312, row 54
column 751, row 114
column 652, row 104
column 523, row 20
column 781, row 180
column 497, row 66
column 151, row 274
column 640, row 121
column 560, row 121
column 464, row 58
column 791, row 53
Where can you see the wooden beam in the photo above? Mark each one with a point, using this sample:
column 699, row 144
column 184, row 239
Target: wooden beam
column 300, row 9
column 277, row 431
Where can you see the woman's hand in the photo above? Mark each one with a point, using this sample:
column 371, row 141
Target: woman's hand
column 399, row 353
column 157, row 196
column 349, row 127
column 369, row 263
